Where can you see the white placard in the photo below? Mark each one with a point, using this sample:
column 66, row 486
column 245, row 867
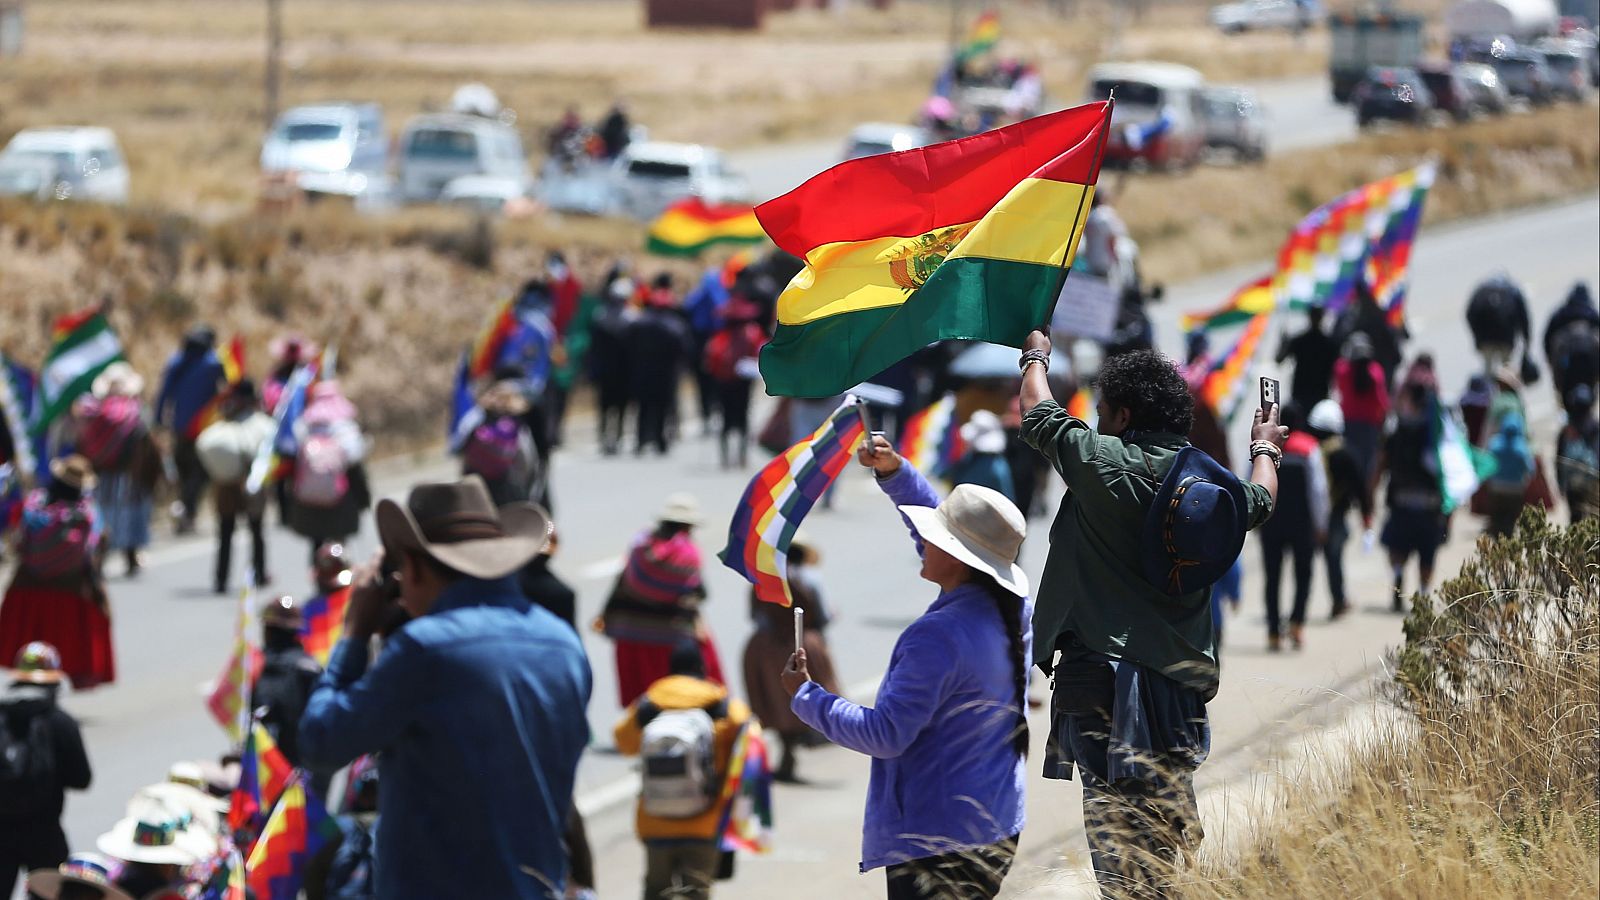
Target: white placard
column 1087, row 308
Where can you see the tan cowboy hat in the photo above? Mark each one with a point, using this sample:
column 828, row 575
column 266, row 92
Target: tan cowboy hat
column 980, row 527
column 73, row 471
column 504, row 398
column 681, row 509
column 152, row 834
column 118, row 378
column 458, row 525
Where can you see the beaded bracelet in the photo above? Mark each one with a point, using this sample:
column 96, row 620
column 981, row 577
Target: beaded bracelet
column 1034, row 356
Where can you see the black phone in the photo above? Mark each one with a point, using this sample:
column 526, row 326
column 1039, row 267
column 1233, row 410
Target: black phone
column 1269, row 393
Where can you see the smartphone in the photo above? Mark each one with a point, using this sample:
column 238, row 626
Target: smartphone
column 1269, row 393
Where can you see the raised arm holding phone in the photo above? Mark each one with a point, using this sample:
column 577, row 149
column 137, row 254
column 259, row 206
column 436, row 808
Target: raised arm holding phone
column 948, row 732
column 1123, row 614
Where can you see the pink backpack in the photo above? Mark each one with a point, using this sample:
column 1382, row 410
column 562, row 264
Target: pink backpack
column 108, row 432
column 491, row 451
column 58, row 547
column 321, row 471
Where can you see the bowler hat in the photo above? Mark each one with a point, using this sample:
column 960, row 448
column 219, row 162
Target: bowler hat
column 1195, row 527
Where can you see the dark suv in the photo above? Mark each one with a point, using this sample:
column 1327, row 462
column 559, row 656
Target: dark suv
column 1398, row 95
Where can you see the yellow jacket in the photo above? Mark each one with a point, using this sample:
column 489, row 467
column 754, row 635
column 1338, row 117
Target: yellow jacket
column 684, row 692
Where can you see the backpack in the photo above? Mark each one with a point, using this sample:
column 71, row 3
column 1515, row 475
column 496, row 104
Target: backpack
column 60, row 547
column 226, row 451
column 680, row 768
column 1510, row 448
column 491, row 451
column 27, row 764
column 719, row 361
column 109, row 431
column 1576, row 353
column 1577, row 462
column 350, row 875
column 1492, row 311
column 321, row 471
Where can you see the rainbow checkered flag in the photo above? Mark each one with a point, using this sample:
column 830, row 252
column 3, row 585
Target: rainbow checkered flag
column 264, row 773
column 931, row 440
column 298, row 827
column 324, row 624
column 778, row 499
column 228, row 701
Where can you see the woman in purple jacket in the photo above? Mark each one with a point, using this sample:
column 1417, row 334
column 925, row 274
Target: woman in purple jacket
column 949, row 732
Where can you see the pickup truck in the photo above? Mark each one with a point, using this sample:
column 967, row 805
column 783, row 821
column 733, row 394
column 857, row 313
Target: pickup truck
column 1360, row 43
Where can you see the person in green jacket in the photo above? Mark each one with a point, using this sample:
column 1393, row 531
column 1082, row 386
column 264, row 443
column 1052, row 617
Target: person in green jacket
column 1132, row 660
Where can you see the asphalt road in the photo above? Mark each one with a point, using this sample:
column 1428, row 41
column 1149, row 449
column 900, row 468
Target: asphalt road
column 1299, row 113
column 172, row 634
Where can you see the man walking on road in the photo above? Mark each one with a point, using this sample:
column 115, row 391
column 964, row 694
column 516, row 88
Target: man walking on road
column 1314, row 352
column 41, row 757
column 1129, row 610
column 477, row 702
column 684, row 727
column 193, row 378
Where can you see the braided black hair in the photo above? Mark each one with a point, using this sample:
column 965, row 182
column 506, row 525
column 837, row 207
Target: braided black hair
column 1010, row 607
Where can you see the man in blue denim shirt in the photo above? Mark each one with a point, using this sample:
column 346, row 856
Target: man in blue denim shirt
column 475, row 706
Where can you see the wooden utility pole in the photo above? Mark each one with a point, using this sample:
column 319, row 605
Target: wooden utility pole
column 274, row 52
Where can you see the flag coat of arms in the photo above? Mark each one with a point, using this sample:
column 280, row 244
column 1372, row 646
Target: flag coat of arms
column 967, row 239
column 782, row 493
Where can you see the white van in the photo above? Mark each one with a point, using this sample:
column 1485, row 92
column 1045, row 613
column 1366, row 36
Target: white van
column 652, row 175
column 436, row 149
column 84, row 163
column 1157, row 116
column 332, row 148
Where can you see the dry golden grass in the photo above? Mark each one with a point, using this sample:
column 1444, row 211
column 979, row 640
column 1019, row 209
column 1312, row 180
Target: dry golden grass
column 1214, row 217
column 1493, row 793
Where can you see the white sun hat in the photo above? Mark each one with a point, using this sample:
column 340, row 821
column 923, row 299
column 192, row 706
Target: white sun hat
column 979, row 526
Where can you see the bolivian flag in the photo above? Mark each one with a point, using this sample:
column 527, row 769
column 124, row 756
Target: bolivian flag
column 967, row 239
column 691, row 225
column 982, row 36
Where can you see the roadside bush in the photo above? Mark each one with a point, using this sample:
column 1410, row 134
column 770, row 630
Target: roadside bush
column 1490, row 787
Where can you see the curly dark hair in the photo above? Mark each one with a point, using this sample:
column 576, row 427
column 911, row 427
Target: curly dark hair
column 1148, row 385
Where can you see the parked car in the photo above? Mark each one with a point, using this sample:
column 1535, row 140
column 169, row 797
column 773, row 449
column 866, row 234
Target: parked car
column 485, row 193
column 21, row 176
column 1525, row 75
column 1483, row 85
column 1233, row 120
column 651, row 176
column 1156, row 119
column 438, row 148
column 1451, row 94
column 874, row 138
column 82, row 163
column 1569, row 68
column 1262, row 15
column 1395, row 95
column 332, row 148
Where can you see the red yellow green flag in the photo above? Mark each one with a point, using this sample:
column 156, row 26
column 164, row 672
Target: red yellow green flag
column 967, row 239
column 691, row 225
column 982, row 36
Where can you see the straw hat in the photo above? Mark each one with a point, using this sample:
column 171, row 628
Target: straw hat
column 90, row 869
column 458, row 525
column 681, row 509
column 154, row 835
column 980, row 527
column 118, row 378
column 74, row 471
column 38, row 663
column 190, row 806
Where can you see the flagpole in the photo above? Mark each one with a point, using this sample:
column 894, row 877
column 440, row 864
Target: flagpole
column 1077, row 220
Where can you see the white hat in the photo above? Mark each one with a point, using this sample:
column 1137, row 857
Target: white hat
column 118, row 378
column 984, row 433
column 192, row 807
column 980, row 527
column 681, row 509
column 1327, row 416
column 153, row 835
